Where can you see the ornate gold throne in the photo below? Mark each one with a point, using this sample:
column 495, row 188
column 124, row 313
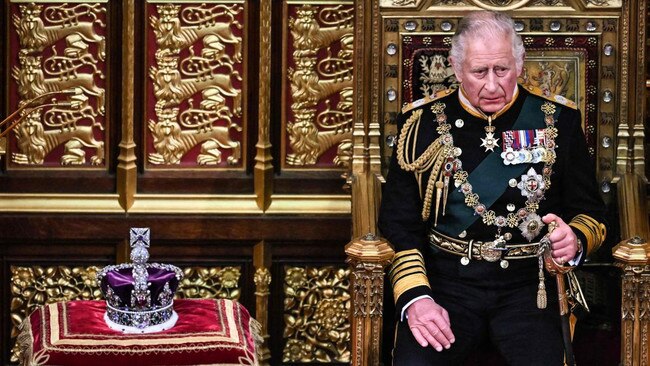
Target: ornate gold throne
column 583, row 50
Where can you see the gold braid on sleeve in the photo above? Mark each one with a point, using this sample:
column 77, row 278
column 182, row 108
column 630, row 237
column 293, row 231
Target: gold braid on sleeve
column 407, row 272
column 593, row 231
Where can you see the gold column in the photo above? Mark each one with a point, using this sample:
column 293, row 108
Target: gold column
column 263, row 160
column 365, row 177
column 633, row 257
column 262, row 279
column 126, row 167
column 638, row 129
column 367, row 256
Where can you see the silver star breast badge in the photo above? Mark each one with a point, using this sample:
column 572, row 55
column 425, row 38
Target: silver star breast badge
column 489, row 142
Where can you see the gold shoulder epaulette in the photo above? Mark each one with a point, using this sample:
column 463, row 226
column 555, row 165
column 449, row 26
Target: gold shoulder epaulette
column 428, row 99
column 552, row 97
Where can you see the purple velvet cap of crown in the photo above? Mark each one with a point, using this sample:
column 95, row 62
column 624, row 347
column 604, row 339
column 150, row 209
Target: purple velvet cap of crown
column 121, row 282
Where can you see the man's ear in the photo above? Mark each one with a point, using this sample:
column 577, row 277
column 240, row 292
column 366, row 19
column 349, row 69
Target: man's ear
column 456, row 69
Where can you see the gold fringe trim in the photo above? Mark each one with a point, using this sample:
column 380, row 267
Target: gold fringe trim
column 25, row 344
column 256, row 332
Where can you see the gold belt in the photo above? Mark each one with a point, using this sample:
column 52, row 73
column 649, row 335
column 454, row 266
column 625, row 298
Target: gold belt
column 490, row 251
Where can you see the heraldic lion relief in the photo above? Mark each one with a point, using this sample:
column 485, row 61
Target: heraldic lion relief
column 172, row 143
column 170, row 89
column 32, row 82
column 169, row 33
column 35, row 36
column 35, row 143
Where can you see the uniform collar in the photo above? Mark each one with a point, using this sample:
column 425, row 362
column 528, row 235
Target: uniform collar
column 464, row 101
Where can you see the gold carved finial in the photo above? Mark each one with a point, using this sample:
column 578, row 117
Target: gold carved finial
column 634, row 251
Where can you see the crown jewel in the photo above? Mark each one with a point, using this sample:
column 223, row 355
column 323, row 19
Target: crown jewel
column 140, row 295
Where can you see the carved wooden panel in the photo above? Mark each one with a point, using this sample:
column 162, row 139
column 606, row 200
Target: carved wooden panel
column 195, row 59
column 56, row 47
column 210, row 283
column 316, row 314
column 317, row 86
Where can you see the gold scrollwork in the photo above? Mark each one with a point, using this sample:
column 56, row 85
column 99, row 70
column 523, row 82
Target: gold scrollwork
column 315, row 81
column 213, row 73
column 316, row 308
column 500, row 5
column 213, row 282
column 404, row 3
column 35, row 286
column 448, row 2
column 548, row 3
column 598, row 2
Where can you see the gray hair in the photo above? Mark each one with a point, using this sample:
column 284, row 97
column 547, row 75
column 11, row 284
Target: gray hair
column 485, row 25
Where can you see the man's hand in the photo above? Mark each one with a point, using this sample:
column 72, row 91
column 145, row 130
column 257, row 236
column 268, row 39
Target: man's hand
column 564, row 243
column 429, row 323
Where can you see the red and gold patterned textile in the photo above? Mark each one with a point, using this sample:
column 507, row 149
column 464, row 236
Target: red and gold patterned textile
column 208, row 332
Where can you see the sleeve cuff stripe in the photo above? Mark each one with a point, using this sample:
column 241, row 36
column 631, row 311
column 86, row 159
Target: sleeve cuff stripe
column 409, row 283
column 407, row 263
column 593, row 231
column 408, row 253
column 405, row 273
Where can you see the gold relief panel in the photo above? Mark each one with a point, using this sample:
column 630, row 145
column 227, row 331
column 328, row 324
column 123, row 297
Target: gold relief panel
column 35, row 286
column 317, row 85
column 58, row 49
column 210, row 283
column 316, row 314
column 195, row 62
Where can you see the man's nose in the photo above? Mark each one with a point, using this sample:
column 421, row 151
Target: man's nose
column 491, row 84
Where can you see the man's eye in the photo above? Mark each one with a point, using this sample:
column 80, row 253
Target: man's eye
column 501, row 71
column 480, row 73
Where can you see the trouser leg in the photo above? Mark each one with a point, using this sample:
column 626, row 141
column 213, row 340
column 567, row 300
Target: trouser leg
column 524, row 334
column 468, row 324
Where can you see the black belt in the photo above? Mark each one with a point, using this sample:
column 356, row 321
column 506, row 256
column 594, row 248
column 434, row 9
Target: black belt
column 490, row 251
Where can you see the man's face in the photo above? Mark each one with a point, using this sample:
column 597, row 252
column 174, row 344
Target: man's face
column 489, row 73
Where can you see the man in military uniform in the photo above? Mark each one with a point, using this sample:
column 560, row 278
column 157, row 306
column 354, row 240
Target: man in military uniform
column 477, row 175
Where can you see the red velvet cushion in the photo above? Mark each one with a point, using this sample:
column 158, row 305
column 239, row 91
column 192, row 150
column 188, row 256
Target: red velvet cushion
column 74, row 333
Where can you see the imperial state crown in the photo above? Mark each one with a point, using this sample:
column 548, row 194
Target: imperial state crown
column 140, row 295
